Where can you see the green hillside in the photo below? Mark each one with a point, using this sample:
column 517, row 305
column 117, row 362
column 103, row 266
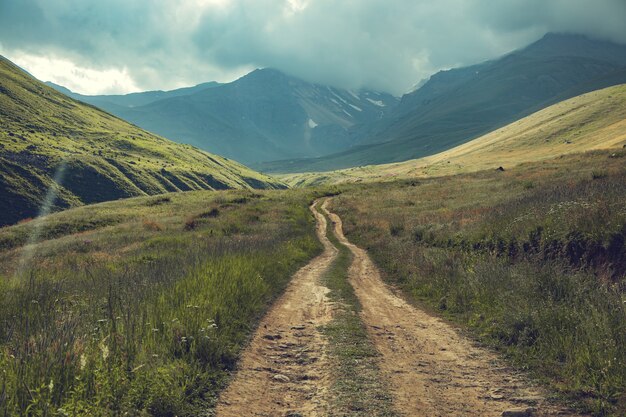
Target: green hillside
column 90, row 156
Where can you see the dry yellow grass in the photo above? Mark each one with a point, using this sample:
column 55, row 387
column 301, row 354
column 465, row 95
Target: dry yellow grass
column 592, row 121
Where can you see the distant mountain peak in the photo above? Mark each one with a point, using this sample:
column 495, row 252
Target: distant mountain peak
column 554, row 44
column 265, row 74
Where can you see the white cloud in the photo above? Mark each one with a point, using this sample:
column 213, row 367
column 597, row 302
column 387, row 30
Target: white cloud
column 382, row 44
column 78, row 79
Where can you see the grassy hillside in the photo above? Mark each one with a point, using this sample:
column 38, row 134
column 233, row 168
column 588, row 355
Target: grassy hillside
column 595, row 120
column 532, row 260
column 141, row 306
column 49, row 141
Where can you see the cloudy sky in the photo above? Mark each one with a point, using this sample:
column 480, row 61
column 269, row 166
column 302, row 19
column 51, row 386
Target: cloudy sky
column 119, row 46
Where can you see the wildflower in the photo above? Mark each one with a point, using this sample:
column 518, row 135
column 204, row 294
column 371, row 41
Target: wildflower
column 83, row 361
column 105, row 352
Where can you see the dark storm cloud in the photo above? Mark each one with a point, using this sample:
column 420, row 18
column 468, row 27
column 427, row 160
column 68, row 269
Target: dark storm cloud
column 384, row 44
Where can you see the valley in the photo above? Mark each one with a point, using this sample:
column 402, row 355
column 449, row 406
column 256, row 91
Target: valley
column 462, row 234
column 286, row 244
column 263, row 116
column 592, row 121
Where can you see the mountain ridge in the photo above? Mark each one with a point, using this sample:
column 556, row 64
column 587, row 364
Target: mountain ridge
column 457, row 105
column 588, row 122
column 264, row 115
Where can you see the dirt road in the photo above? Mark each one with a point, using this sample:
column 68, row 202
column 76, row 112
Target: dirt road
column 285, row 369
column 431, row 369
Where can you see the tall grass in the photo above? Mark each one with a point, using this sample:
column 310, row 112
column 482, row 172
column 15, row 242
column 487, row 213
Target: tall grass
column 537, row 272
column 152, row 331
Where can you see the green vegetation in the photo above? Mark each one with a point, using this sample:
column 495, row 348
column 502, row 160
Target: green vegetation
column 358, row 389
column 532, row 259
column 141, row 307
column 47, row 138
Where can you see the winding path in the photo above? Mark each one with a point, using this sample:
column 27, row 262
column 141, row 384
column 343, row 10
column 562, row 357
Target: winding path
column 431, row 369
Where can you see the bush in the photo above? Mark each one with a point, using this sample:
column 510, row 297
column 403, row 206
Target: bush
column 152, row 225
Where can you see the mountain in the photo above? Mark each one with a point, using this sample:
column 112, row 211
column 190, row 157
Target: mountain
column 263, row 116
column 592, row 121
column 458, row 105
column 117, row 103
column 48, row 141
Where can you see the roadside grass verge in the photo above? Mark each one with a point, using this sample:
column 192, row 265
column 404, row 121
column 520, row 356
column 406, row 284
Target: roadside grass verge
column 535, row 271
column 358, row 389
column 143, row 316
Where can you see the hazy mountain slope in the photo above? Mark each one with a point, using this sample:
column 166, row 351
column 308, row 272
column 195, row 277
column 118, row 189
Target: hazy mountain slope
column 592, row 121
column 115, row 103
column 265, row 115
column 458, row 105
column 93, row 155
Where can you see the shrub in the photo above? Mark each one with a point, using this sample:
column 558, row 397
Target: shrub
column 214, row 212
column 152, row 225
column 191, row 224
column 598, row 175
column 158, row 201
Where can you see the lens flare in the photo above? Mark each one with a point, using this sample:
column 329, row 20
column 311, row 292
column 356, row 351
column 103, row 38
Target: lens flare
column 29, row 249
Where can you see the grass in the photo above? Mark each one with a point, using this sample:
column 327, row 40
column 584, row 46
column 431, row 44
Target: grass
column 47, row 138
column 592, row 121
column 538, row 272
column 358, row 389
column 142, row 315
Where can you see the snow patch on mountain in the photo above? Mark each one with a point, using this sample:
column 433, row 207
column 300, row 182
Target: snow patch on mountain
column 353, row 94
column 378, row 103
column 340, row 98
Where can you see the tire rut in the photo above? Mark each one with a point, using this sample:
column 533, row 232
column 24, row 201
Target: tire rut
column 431, row 369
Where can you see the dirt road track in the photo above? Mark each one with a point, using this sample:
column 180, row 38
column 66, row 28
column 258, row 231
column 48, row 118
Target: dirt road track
column 285, row 369
column 432, row 370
